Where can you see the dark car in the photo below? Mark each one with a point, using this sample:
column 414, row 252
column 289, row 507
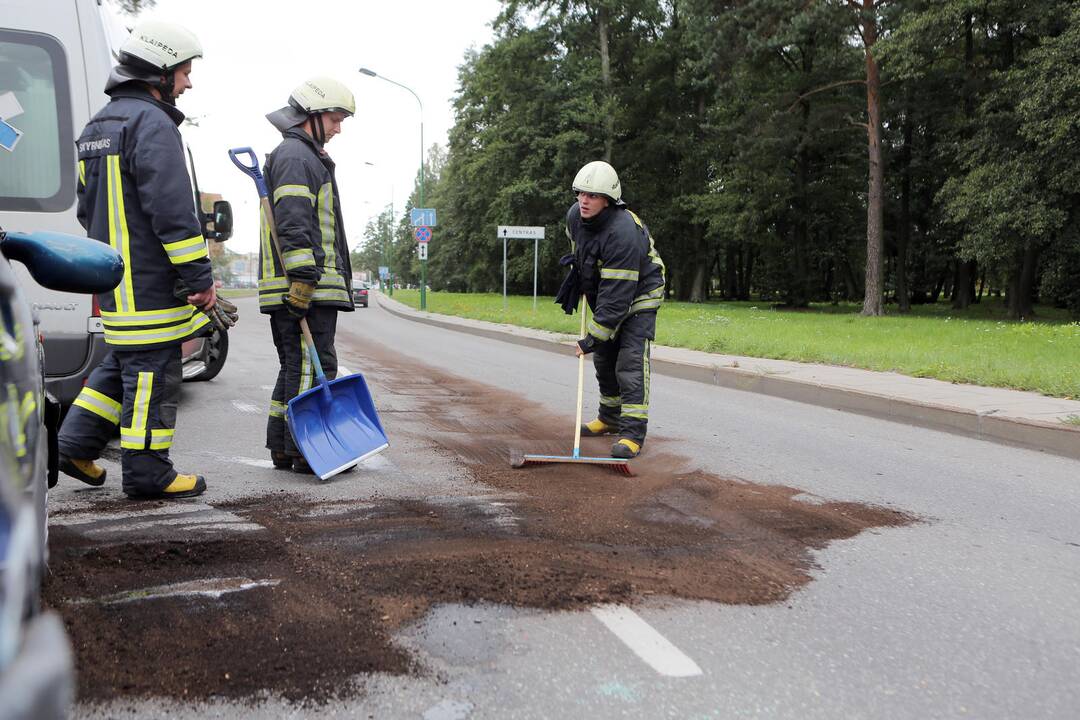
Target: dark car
column 360, row 293
column 36, row 666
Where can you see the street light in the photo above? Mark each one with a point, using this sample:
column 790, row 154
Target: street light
column 423, row 263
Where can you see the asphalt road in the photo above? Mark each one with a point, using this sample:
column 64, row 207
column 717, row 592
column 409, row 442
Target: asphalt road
column 972, row 611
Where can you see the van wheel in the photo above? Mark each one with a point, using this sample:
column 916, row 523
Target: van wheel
column 217, row 350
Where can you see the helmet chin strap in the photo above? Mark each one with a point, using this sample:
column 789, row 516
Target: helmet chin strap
column 318, row 131
column 166, row 87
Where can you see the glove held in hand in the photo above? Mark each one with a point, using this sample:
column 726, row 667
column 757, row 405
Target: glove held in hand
column 224, row 313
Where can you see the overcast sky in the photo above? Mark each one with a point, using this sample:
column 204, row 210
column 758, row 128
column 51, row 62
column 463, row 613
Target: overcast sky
column 258, row 51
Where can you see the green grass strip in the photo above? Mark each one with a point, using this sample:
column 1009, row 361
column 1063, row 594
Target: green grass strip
column 977, row 346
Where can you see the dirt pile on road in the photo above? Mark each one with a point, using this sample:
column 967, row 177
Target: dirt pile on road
column 349, row 574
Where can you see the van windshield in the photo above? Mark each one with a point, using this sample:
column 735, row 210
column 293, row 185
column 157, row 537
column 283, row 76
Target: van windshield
column 37, row 158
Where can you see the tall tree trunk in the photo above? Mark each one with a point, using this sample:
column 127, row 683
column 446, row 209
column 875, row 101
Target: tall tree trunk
column 903, row 238
column 602, row 21
column 1022, row 288
column 964, row 284
column 732, row 260
column 746, row 281
column 697, row 290
column 873, row 300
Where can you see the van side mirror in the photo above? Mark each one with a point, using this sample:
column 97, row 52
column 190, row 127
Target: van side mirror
column 223, row 220
column 67, row 263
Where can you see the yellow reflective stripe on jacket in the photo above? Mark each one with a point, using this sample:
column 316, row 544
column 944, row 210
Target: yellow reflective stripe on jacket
column 182, row 251
column 161, row 438
column 267, row 246
column 299, row 258
column 648, row 301
column 599, row 331
column 331, row 294
column 124, row 294
column 82, row 172
column 293, row 191
column 653, row 255
column 100, row 404
column 116, row 336
column 277, row 409
column 617, row 274
column 134, row 437
column 327, row 224
column 148, row 317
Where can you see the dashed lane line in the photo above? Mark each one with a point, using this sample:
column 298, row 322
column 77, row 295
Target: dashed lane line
column 648, row 644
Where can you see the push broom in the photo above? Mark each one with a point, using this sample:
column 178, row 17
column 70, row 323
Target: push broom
column 617, row 464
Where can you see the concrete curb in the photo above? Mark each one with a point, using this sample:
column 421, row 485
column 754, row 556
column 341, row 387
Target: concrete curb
column 1053, row 437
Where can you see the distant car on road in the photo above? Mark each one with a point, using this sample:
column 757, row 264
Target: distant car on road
column 360, row 293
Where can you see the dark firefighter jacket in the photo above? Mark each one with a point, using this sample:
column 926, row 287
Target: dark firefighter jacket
column 307, row 210
column 621, row 272
column 134, row 194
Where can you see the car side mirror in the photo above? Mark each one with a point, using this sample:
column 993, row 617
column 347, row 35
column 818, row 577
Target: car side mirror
column 223, row 221
column 63, row 262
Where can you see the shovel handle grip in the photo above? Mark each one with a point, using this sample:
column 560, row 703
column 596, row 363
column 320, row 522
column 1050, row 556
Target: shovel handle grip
column 252, row 170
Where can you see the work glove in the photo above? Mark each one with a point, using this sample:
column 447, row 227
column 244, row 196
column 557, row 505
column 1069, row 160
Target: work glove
column 569, row 295
column 298, row 299
column 223, row 314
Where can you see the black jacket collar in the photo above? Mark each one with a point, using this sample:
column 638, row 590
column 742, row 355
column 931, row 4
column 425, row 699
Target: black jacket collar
column 139, row 91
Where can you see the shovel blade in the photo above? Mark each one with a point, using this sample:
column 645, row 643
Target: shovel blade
column 337, row 432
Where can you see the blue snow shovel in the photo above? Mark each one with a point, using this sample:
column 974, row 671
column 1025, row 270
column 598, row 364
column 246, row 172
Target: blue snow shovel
column 335, row 425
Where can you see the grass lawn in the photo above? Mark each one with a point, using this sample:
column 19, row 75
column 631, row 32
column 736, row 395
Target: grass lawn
column 977, row 346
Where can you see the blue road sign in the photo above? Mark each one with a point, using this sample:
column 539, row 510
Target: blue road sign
column 384, row 272
column 423, row 217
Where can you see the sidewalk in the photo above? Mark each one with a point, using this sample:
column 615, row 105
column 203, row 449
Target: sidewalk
column 1010, row 416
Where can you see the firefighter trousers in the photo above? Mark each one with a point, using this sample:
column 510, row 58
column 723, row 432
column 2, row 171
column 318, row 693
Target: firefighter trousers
column 139, row 391
column 296, row 373
column 622, row 372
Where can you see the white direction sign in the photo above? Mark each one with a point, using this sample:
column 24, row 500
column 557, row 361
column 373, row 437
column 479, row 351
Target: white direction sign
column 421, row 250
column 525, row 232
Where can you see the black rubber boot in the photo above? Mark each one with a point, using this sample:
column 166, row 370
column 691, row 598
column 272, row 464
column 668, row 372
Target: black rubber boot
column 625, row 449
column 281, row 460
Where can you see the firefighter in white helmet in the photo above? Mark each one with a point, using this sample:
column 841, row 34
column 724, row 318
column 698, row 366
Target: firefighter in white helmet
column 622, row 277
column 316, row 280
column 134, row 194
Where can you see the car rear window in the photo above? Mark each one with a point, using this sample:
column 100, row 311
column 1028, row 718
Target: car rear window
column 37, row 148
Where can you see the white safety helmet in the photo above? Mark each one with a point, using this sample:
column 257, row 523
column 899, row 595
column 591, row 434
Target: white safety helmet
column 160, row 46
column 312, row 97
column 601, row 179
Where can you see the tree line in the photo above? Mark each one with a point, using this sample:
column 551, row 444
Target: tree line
column 888, row 152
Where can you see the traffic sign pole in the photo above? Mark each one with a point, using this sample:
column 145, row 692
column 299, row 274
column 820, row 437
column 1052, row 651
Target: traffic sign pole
column 534, row 233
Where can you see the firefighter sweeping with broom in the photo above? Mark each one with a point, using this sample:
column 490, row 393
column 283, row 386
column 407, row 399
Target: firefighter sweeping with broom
column 617, row 273
column 622, row 278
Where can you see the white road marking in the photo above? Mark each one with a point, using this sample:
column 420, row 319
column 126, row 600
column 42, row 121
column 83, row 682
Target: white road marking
column 208, row 587
column 245, row 407
column 648, row 644
column 342, row 371
column 266, row 387
column 253, row 462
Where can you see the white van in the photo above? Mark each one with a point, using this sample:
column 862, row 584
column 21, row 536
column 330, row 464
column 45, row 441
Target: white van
column 54, row 59
column 55, row 56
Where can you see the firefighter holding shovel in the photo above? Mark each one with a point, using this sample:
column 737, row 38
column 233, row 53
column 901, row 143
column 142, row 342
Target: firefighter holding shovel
column 313, row 277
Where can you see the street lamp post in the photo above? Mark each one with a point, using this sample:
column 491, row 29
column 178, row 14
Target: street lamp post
column 423, row 263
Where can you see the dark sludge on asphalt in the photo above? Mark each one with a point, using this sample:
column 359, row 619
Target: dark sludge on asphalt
column 347, row 575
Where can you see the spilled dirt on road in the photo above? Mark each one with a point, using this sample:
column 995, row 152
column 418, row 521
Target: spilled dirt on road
column 348, row 574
